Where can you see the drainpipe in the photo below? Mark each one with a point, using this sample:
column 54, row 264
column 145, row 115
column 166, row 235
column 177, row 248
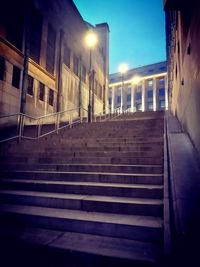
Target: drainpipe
column 80, row 86
column 59, row 71
column 26, row 58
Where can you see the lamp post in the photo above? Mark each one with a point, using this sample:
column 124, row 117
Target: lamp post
column 91, row 41
column 123, row 68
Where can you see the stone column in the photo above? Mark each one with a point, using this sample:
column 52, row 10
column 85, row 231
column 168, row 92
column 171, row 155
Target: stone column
column 143, row 96
column 154, row 94
column 132, row 98
column 121, row 98
column 113, row 100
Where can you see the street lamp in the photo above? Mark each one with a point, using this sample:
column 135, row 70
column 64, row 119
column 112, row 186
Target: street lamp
column 91, row 41
column 123, row 68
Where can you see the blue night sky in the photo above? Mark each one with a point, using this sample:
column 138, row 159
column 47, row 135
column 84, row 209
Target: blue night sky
column 137, row 29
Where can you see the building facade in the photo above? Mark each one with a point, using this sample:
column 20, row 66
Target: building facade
column 183, row 56
column 140, row 89
column 44, row 63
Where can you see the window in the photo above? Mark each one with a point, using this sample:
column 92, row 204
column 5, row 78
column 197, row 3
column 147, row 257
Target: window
column 51, row 47
column 162, row 104
column 150, row 105
column 162, row 92
column 51, row 97
column 84, row 74
column 118, row 99
column 41, row 91
column 150, row 93
column 150, row 83
column 16, row 77
column 30, row 85
column 110, row 100
column 2, row 68
column 75, row 65
column 138, row 96
column 67, row 56
column 161, row 82
column 128, row 98
column 139, row 107
column 35, row 37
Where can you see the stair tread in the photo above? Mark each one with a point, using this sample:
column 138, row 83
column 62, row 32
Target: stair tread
column 86, row 243
column 127, row 200
column 131, row 220
column 86, row 164
column 117, row 185
column 89, row 172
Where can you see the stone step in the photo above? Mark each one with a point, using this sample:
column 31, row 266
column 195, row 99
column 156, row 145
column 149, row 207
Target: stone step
column 86, row 148
column 119, row 205
column 95, row 154
column 86, row 188
column 142, row 228
column 70, row 243
column 109, row 168
column 98, row 177
column 85, row 160
column 83, row 146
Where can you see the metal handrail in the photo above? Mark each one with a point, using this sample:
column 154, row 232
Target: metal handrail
column 56, row 120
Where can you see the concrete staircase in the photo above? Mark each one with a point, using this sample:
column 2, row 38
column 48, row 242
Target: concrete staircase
column 90, row 196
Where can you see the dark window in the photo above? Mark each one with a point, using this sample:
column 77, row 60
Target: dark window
column 2, row 68
column 75, row 64
column 16, row 77
column 84, row 74
column 118, row 99
column 30, row 85
column 161, row 92
column 110, row 100
column 11, row 21
column 138, row 95
column 150, row 93
column 51, row 97
column 67, row 55
column 41, row 91
column 51, row 47
column 128, row 98
column 35, row 34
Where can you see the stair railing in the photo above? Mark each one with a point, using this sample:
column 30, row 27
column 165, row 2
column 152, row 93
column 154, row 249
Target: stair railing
column 20, row 125
column 103, row 116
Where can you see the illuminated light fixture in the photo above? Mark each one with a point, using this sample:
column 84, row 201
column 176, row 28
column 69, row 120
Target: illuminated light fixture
column 123, row 68
column 136, row 79
column 91, row 39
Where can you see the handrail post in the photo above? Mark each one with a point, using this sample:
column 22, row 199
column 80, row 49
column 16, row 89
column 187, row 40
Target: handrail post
column 70, row 120
column 81, row 116
column 39, row 129
column 57, row 122
column 21, row 125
